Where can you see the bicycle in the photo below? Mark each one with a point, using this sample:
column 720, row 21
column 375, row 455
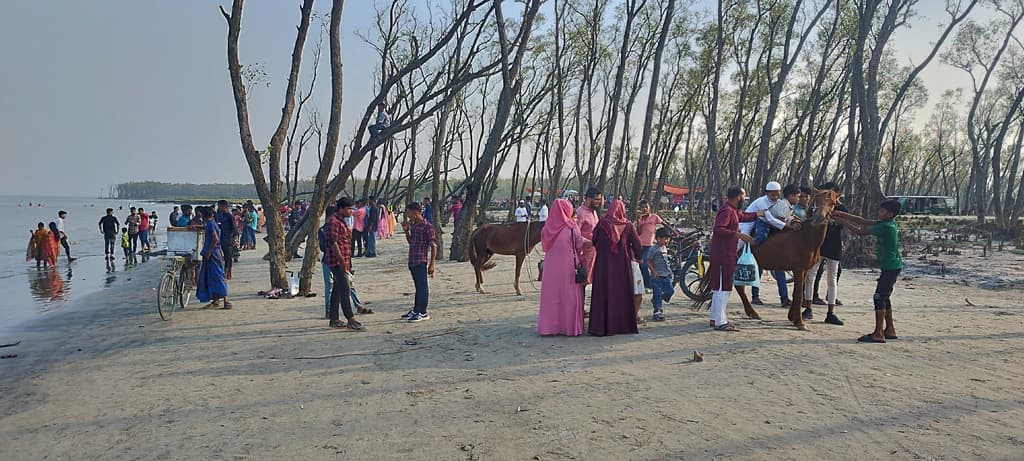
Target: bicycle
column 689, row 262
column 177, row 286
column 178, row 283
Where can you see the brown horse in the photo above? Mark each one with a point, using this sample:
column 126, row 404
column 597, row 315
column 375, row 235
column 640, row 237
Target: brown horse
column 794, row 251
column 504, row 239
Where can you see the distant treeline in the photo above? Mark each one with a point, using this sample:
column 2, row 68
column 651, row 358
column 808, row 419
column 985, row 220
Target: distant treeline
column 165, row 191
column 152, row 190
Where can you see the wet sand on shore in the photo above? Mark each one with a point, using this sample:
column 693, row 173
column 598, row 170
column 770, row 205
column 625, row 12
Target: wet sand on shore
column 269, row 380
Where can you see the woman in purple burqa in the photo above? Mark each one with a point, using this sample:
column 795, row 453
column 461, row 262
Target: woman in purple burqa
column 612, row 309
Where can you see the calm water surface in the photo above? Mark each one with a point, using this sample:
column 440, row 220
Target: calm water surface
column 31, row 293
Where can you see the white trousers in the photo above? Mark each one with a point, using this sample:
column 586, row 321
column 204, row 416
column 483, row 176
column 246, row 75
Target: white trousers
column 831, row 268
column 719, row 301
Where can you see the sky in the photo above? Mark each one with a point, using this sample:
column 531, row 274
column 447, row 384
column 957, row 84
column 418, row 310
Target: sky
column 101, row 92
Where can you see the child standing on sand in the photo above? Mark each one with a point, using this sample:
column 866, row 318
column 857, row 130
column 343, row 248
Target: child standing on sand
column 888, row 252
column 656, row 259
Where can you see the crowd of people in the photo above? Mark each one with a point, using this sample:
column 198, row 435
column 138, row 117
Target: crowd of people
column 349, row 221
column 594, row 247
column 45, row 242
column 620, row 260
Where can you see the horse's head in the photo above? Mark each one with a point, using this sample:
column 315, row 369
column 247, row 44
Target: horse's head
column 825, row 200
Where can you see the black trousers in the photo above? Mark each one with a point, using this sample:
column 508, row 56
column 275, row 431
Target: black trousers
column 109, row 244
column 357, row 242
column 228, row 247
column 341, row 295
column 67, row 248
column 883, row 291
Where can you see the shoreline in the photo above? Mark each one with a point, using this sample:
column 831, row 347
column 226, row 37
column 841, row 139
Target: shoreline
column 269, row 380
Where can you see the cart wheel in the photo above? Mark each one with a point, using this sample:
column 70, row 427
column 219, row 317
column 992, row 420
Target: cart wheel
column 165, row 296
column 186, row 285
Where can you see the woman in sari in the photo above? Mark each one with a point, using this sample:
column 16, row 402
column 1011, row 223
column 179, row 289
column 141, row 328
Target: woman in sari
column 612, row 302
column 392, row 222
column 384, row 225
column 212, row 283
column 53, row 244
column 38, row 245
column 561, row 297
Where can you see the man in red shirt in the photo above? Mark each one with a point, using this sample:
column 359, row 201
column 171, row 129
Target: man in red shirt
column 724, row 241
column 339, row 258
column 143, row 230
column 587, row 218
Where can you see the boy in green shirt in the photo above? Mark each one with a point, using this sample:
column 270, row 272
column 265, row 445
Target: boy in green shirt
column 888, row 253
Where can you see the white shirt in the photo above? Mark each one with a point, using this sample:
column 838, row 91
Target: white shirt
column 782, row 210
column 60, row 224
column 764, row 203
column 522, row 215
column 542, row 215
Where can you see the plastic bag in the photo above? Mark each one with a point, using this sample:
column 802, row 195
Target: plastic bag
column 293, row 284
column 747, row 273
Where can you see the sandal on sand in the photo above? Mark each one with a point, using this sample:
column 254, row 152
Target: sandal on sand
column 887, row 337
column 212, row 305
column 355, row 326
column 227, row 306
column 868, row 339
column 726, row 327
column 364, row 311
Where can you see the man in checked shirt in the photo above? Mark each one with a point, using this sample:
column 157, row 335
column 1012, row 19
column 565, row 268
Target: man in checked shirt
column 339, row 259
column 422, row 251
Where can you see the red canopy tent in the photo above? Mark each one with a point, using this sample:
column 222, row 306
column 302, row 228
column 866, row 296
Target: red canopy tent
column 678, row 192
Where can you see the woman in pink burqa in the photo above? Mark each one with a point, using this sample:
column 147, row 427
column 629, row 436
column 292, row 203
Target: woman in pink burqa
column 561, row 298
column 612, row 306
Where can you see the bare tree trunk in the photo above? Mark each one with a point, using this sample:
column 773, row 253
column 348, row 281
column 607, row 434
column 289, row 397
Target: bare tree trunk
column 789, row 59
column 267, row 187
column 632, row 9
column 711, row 118
column 440, row 135
column 319, row 199
column 652, row 96
column 510, row 88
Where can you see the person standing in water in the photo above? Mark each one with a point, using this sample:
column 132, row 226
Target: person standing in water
column 108, row 228
column 61, row 216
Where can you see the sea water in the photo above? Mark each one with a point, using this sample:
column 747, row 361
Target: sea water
column 42, row 294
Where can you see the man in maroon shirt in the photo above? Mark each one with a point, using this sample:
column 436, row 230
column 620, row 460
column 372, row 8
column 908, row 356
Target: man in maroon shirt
column 723, row 253
column 339, row 258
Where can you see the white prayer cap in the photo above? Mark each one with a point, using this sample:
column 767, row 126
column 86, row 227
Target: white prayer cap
column 772, row 186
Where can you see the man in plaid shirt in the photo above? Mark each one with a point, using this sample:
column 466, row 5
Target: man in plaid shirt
column 422, row 251
column 339, row 258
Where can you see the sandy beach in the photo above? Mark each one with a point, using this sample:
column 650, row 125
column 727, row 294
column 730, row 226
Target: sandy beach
column 268, row 380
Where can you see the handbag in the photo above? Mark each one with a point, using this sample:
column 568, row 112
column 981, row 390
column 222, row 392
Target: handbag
column 581, row 272
column 747, row 273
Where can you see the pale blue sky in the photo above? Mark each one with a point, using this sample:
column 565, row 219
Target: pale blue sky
column 105, row 91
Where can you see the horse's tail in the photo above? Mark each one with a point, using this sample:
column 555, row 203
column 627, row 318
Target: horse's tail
column 474, row 258
column 703, row 293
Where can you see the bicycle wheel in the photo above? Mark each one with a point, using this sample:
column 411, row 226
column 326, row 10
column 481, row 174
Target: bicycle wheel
column 186, row 285
column 165, row 294
column 692, row 275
